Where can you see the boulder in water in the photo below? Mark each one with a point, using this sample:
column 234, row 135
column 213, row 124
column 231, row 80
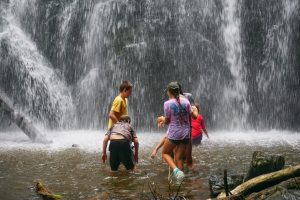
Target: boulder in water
column 262, row 164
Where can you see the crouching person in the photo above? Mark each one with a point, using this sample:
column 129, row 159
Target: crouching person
column 121, row 136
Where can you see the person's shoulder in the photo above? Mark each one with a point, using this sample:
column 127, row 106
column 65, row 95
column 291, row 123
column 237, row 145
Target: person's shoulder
column 187, row 94
column 168, row 101
column 184, row 100
column 118, row 98
column 190, row 97
column 125, row 124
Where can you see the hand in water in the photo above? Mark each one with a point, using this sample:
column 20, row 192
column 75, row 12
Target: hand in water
column 153, row 154
column 104, row 157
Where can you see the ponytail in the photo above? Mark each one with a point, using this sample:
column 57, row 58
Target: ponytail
column 176, row 94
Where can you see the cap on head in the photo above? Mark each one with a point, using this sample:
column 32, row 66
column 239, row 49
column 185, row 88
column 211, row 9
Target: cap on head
column 125, row 118
column 172, row 86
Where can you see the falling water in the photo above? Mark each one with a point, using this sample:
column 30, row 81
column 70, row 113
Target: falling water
column 277, row 76
column 235, row 94
column 30, row 79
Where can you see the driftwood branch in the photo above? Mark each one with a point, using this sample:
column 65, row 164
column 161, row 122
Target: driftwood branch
column 42, row 190
column 262, row 182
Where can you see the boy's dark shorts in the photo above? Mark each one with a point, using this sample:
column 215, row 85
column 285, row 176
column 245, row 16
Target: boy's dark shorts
column 197, row 141
column 120, row 152
column 176, row 142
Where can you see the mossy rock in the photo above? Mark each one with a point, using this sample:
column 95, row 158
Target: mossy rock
column 263, row 163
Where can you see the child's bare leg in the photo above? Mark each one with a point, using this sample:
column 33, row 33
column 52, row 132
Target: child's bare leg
column 179, row 156
column 166, row 153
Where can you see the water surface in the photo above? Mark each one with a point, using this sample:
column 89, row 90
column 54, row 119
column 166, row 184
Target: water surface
column 77, row 173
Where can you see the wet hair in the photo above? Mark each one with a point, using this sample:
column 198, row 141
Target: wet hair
column 125, row 118
column 126, row 85
column 175, row 93
column 180, row 88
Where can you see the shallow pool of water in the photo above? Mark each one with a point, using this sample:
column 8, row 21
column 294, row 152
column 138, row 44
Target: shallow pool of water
column 77, row 173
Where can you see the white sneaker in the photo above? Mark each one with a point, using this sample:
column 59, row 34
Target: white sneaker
column 177, row 177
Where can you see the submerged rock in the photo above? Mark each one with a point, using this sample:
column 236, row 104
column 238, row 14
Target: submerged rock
column 216, row 183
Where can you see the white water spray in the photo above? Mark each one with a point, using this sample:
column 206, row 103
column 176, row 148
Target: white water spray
column 235, row 94
column 42, row 85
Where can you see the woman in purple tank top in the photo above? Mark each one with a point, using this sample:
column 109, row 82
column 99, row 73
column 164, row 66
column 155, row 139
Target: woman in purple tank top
column 177, row 114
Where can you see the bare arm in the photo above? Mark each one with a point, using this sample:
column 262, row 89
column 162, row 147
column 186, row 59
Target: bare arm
column 104, row 146
column 206, row 133
column 136, row 149
column 160, row 144
column 113, row 117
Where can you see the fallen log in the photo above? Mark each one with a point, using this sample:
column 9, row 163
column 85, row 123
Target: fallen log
column 262, row 182
column 42, row 190
column 291, row 184
column 20, row 120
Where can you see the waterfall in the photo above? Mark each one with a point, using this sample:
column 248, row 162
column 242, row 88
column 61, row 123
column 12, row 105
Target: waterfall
column 277, row 76
column 62, row 61
column 235, row 94
column 28, row 77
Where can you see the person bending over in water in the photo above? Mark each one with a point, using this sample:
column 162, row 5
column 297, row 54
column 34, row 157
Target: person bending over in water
column 198, row 127
column 177, row 113
column 121, row 135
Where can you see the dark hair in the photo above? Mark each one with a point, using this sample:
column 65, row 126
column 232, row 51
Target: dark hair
column 125, row 85
column 175, row 93
column 125, row 118
column 180, row 88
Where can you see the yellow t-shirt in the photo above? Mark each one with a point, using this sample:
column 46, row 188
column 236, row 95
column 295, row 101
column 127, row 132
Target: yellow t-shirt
column 119, row 106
